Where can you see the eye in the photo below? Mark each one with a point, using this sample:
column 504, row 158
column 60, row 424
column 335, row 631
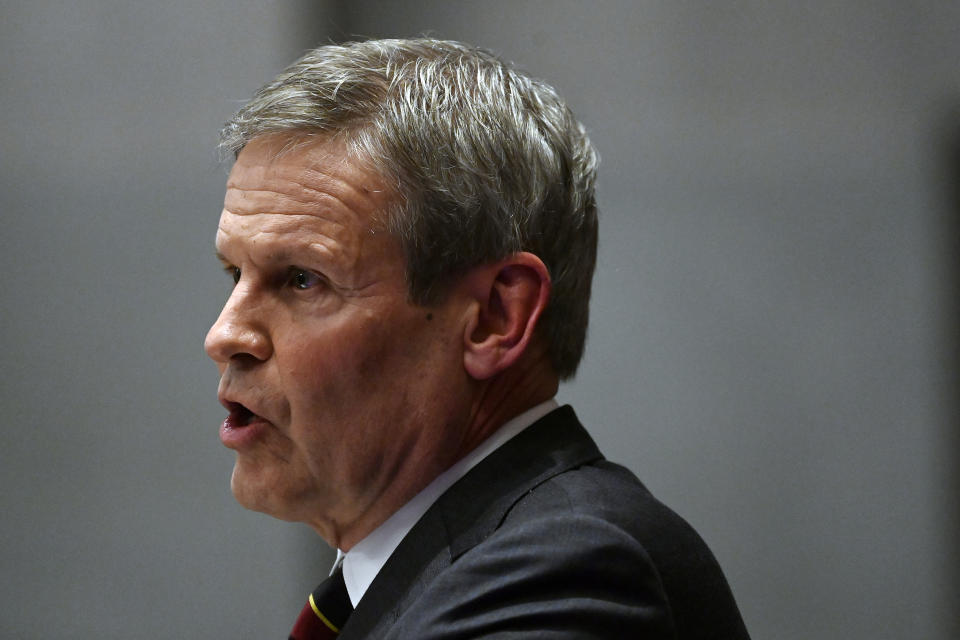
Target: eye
column 303, row 279
column 233, row 272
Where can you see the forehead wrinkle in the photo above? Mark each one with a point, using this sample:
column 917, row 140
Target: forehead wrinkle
column 286, row 224
column 302, row 185
column 319, row 235
column 269, row 222
column 359, row 189
column 254, row 201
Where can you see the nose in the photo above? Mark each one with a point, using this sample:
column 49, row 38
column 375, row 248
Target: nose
column 239, row 333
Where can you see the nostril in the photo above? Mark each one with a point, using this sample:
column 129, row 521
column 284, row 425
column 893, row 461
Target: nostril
column 229, row 340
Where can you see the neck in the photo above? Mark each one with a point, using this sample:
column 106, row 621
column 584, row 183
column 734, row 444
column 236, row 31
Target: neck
column 526, row 384
column 510, row 393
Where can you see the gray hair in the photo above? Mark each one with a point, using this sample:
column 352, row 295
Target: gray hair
column 486, row 160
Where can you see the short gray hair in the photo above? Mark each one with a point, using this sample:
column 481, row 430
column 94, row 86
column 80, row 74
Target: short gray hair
column 487, row 162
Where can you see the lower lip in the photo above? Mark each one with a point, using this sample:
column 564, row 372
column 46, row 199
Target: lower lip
column 240, row 437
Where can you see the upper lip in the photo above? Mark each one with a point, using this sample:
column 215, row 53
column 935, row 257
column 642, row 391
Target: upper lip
column 234, row 402
column 229, row 404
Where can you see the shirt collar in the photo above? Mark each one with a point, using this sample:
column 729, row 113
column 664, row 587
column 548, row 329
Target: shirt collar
column 364, row 561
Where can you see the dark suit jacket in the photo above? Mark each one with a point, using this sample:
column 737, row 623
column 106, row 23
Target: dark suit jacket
column 546, row 539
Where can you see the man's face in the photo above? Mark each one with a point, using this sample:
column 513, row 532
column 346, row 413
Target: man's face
column 343, row 396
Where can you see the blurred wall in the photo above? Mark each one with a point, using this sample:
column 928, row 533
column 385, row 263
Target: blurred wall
column 117, row 517
column 773, row 339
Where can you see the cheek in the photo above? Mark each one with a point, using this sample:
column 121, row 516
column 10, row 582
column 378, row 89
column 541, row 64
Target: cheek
column 365, row 364
column 327, row 373
column 396, row 362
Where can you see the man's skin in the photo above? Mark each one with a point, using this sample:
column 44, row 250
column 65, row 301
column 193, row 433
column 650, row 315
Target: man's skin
column 345, row 398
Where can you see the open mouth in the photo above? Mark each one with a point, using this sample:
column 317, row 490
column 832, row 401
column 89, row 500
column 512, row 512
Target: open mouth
column 240, row 416
column 242, row 427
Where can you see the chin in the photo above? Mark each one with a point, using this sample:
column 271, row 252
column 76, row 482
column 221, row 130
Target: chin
column 251, row 492
column 263, row 494
column 242, row 493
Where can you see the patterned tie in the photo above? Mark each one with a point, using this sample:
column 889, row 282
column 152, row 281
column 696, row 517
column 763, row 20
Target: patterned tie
column 326, row 611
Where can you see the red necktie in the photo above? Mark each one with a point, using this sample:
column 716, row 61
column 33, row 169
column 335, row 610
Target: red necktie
column 326, row 611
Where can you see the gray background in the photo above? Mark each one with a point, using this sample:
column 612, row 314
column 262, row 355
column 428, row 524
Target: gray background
column 773, row 345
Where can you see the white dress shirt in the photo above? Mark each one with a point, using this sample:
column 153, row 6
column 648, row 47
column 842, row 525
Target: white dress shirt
column 363, row 562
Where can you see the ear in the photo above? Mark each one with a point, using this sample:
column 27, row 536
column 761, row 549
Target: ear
column 510, row 296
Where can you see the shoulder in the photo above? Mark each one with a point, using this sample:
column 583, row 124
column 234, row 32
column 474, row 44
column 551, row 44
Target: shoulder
column 622, row 524
column 545, row 538
column 586, row 553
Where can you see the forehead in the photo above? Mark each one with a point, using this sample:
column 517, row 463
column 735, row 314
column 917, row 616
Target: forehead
column 313, row 196
column 275, row 174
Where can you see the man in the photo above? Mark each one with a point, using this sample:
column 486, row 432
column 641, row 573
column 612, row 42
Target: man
column 411, row 230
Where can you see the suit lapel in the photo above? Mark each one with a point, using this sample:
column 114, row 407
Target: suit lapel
column 468, row 513
column 476, row 505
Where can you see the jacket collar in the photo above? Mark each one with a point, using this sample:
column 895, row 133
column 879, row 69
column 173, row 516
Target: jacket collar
column 476, row 505
column 469, row 512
